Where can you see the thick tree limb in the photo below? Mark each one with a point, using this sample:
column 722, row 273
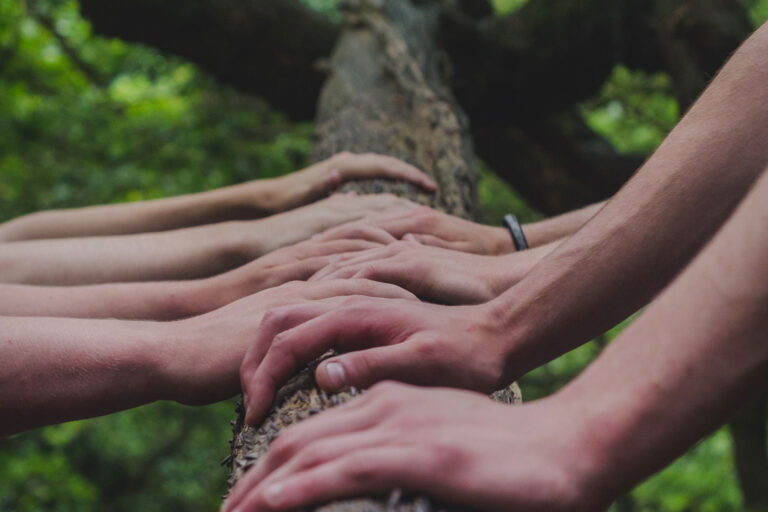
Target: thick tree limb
column 385, row 93
column 518, row 77
column 265, row 47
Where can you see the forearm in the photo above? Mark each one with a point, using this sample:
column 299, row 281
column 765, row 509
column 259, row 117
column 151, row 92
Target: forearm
column 182, row 254
column 509, row 269
column 189, row 253
column 244, row 201
column 57, row 370
column 160, row 300
column 559, row 227
column 643, row 236
column 689, row 361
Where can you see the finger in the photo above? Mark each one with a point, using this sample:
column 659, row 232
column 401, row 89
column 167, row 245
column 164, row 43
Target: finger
column 434, row 241
column 288, row 454
column 373, row 470
column 371, row 165
column 363, row 287
column 275, row 321
column 409, row 276
column 333, row 271
column 359, row 324
column 357, row 231
column 363, row 368
column 337, row 246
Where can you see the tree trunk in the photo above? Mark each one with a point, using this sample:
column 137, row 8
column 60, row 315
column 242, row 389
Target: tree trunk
column 385, row 93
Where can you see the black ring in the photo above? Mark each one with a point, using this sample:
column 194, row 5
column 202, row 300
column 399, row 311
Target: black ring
column 516, row 230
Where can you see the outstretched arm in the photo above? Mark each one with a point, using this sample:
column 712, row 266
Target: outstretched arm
column 188, row 253
column 172, row 300
column 245, row 201
column 443, row 276
column 559, row 227
column 616, row 263
column 674, row 375
column 59, row 369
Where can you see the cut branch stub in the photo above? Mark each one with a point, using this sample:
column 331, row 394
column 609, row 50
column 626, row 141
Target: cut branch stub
column 385, row 94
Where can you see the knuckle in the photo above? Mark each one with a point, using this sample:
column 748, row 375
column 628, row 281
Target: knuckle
column 443, row 452
column 370, row 271
column 273, row 318
column 360, row 469
column 283, row 445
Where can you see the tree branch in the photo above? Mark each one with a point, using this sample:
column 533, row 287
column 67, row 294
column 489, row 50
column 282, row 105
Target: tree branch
column 262, row 47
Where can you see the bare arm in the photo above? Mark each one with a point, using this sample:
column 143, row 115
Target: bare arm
column 674, row 375
column 556, row 228
column 646, row 233
column 238, row 202
column 171, row 300
column 59, row 369
column 616, row 263
column 188, row 253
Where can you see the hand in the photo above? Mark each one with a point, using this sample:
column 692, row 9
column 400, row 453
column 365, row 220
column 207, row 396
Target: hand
column 205, row 352
column 460, row 346
column 438, row 275
column 456, row 446
column 292, row 263
column 255, row 238
column 341, row 209
column 430, row 227
column 301, row 187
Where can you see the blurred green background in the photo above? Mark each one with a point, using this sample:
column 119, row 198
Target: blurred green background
column 87, row 120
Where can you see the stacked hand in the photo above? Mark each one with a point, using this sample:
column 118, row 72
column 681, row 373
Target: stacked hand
column 206, row 351
column 431, row 227
column 461, row 346
column 301, row 187
column 435, row 274
column 453, row 444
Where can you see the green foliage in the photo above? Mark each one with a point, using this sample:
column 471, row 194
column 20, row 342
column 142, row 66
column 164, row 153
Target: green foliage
column 758, row 10
column 634, row 110
column 148, row 126
column 507, row 6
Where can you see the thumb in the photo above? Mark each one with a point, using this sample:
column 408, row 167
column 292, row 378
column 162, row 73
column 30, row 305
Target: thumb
column 364, row 368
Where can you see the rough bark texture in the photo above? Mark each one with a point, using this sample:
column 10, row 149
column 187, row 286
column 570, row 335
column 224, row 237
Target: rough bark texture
column 385, row 93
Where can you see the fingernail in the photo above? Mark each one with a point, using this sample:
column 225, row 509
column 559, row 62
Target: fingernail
column 409, row 237
column 273, row 494
column 336, row 375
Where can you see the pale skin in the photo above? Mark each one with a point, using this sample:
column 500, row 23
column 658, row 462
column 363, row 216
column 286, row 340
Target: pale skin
column 172, row 300
column 444, row 269
column 188, row 253
column 443, row 276
column 431, row 227
column 60, row 369
column 622, row 257
column 244, row 201
column 690, row 360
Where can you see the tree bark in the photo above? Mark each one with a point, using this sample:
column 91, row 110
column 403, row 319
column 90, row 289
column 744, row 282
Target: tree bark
column 386, row 94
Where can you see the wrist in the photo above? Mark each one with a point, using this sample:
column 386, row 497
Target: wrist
column 199, row 359
column 618, row 429
column 587, row 483
column 501, row 241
